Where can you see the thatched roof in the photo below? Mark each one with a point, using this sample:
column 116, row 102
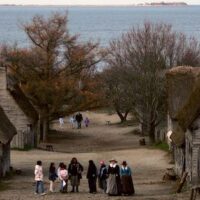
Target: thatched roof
column 7, row 130
column 21, row 99
column 183, row 84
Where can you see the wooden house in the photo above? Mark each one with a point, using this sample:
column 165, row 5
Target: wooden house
column 7, row 132
column 183, row 84
column 19, row 111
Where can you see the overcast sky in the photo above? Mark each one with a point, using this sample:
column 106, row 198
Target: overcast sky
column 89, row 2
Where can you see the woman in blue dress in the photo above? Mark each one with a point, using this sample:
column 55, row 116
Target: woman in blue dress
column 126, row 179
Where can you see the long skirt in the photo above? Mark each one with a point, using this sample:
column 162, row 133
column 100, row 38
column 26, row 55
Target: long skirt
column 113, row 185
column 75, row 181
column 102, row 184
column 127, row 185
column 92, row 183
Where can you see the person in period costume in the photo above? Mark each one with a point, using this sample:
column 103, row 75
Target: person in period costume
column 52, row 176
column 92, row 177
column 126, row 179
column 113, row 181
column 75, row 170
column 39, row 178
column 63, row 178
column 102, row 176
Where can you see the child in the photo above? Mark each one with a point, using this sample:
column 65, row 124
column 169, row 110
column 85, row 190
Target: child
column 52, row 176
column 39, row 178
column 86, row 121
column 58, row 174
column 64, row 178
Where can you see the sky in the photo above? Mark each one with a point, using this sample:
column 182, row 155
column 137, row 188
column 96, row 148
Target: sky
column 89, row 2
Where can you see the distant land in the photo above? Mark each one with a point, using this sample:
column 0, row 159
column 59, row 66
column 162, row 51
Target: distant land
column 129, row 5
column 163, row 4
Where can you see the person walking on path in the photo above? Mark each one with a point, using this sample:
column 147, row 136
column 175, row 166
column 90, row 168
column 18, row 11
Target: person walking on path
column 72, row 121
column 75, row 170
column 113, row 181
column 102, row 176
column 39, row 178
column 52, row 176
column 61, row 122
column 92, row 177
column 126, row 179
column 79, row 119
column 64, row 178
column 86, row 122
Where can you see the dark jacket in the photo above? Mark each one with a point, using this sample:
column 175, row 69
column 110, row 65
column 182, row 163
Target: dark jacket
column 75, row 169
column 79, row 117
column 103, row 172
column 92, row 171
column 114, row 170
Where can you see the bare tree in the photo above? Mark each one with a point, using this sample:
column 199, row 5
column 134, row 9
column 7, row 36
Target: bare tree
column 116, row 95
column 143, row 54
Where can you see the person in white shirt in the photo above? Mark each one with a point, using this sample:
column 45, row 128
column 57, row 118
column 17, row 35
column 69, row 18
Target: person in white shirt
column 61, row 122
column 63, row 175
column 39, row 178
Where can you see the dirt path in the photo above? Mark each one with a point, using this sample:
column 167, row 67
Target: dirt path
column 99, row 141
column 97, row 137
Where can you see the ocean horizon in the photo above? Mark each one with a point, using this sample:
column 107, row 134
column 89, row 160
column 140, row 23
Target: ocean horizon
column 99, row 23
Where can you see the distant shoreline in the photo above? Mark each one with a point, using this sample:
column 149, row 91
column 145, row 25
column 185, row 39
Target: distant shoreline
column 129, row 5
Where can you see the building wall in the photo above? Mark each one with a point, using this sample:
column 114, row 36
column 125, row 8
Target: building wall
column 179, row 157
column 4, row 159
column 188, row 154
column 195, row 179
column 13, row 112
column 178, row 152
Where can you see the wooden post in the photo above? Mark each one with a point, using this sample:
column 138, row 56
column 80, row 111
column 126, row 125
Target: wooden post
column 183, row 179
column 193, row 193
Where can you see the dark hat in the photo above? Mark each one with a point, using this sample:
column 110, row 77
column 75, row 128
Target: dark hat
column 124, row 163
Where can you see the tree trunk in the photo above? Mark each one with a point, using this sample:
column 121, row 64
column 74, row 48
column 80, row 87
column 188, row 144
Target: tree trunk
column 152, row 132
column 45, row 129
column 44, row 123
column 126, row 114
column 144, row 129
column 144, row 123
column 121, row 116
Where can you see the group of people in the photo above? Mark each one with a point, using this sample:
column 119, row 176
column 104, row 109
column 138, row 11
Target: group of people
column 76, row 121
column 64, row 174
column 113, row 179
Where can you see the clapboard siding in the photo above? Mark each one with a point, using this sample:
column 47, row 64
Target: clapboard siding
column 184, row 111
column 179, row 157
column 13, row 112
column 188, row 154
column 192, row 148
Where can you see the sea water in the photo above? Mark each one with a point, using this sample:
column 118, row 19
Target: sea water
column 99, row 23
